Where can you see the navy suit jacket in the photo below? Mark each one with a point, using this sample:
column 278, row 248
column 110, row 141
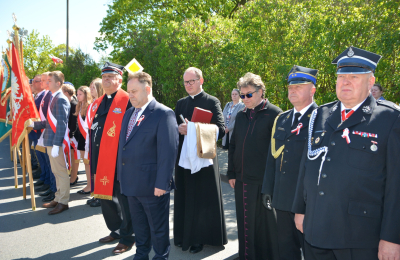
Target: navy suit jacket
column 147, row 158
column 35, row 135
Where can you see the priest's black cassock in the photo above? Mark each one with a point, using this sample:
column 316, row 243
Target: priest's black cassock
column 198, row 207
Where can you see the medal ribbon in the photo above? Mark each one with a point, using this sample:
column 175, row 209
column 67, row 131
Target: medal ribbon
column 297, row 129
column 346, row 135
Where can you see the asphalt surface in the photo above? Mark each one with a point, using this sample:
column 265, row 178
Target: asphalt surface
column 74, row 234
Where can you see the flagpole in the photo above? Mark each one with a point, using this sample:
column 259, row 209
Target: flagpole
column 28, row 159
column 15, row 168
column 23, row 166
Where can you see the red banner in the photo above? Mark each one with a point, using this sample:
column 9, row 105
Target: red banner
column 23, row 104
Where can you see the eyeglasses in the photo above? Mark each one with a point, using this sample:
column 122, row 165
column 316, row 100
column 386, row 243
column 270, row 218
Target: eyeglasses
column 190, row 82
column 248, row 95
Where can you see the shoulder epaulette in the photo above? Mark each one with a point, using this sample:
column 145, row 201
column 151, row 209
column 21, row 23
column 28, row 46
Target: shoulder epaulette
column 389, row 104
column 328, row 104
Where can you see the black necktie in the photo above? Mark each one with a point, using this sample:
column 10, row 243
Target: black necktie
column 296, row 119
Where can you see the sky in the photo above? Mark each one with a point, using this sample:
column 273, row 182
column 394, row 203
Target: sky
column 48, row 17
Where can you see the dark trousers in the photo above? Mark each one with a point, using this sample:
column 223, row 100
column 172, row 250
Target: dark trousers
column 34, row 159
column 46, row 175
column 226, row 146
column 290, row 239
column 150, row 219
column 315, row 253
column 117, row 216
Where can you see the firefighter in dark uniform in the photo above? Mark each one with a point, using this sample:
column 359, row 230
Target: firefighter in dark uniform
column 281, row 173
column 347, row 201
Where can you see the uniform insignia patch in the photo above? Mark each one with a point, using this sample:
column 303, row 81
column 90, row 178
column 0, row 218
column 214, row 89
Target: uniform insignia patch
column 366, row 109
column 117, row 110
column 94, row 107
column 334, row 108
column 317, row 140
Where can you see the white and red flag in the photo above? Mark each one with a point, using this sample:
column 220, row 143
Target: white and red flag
column 55, row 59
column 23, row 105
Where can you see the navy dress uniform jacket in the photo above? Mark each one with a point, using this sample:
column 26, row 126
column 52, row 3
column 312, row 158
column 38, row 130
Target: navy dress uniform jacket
column 357, row 201
column 147, row 159
column 281, row 174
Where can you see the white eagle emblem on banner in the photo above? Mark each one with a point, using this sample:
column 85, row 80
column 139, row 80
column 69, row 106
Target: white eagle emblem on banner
column 14, row 95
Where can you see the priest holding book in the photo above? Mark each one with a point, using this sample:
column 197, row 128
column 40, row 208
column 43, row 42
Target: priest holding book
column 198, row 211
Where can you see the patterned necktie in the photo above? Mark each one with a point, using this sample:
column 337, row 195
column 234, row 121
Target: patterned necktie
column 132, row 122
column 296, row 119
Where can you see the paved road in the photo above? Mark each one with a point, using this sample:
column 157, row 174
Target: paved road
column 27, row 234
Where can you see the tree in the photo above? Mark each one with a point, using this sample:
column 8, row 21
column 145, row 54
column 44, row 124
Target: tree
column 80, row 69
column 125, row 18
column 36, row 54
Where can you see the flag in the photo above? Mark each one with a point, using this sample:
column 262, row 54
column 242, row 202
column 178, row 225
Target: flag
column 5, row 127
column 134, row 66
column 55, row 59
column 23, row 105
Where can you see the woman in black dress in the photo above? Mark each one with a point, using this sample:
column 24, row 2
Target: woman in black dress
column 84, row 100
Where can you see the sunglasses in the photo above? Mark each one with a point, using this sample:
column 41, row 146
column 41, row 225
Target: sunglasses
column 248, row 95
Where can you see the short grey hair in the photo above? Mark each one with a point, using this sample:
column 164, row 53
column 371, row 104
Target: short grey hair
column 196, row 71
column 250, row 79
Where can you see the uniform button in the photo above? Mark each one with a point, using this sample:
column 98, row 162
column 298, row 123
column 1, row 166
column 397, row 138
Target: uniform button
column 123, row 163
column 284, row 161
column 328, row 159
column 363, row 146
column 365, row 212
column 332, row 143
column 123, row 149
column 324, row 175
column 286, row 151
column 283, row 172
column 97, row 145
column 321, row 193
column 287, row 140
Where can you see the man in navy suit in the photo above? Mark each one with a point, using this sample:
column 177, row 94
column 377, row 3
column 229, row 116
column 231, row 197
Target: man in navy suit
column 147, row 152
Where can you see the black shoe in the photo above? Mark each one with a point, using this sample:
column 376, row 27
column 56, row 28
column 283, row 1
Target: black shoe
column 46, row 193
column 178, row 244
column 39, row 183
column 95, row 203
column 73, row 183
column 50, row 197
column 44, row 187
column 196, row 248
column 83, row 192
column 90, row 201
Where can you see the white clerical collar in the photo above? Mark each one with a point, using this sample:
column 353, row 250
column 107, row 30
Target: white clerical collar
column 55, row 93
column 302, row 112
column 109, row 96
column 342, row 107
column 196, row 94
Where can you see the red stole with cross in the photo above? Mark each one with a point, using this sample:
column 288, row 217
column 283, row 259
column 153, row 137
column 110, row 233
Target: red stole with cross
column 105, row 171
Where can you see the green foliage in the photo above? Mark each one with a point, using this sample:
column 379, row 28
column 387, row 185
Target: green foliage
column 80, row 69
column 266, row 37
column 37, row 51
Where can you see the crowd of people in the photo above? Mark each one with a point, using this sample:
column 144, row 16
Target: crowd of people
column 318, row 182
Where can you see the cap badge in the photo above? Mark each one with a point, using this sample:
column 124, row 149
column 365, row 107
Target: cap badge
column 317, row 140
column 366, row 109
column 350, row 53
